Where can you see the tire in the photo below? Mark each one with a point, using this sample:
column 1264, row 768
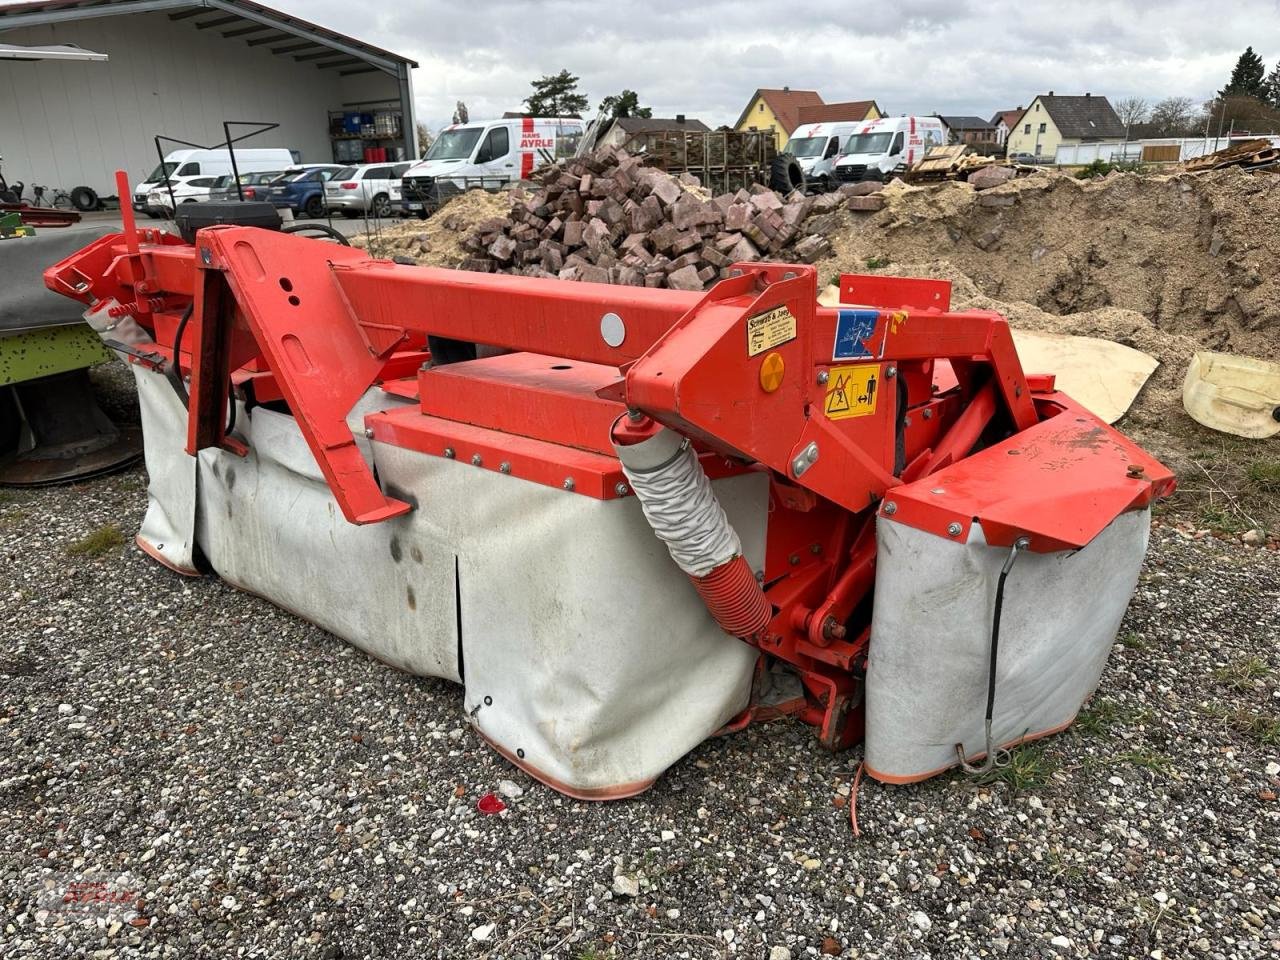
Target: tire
column 381, row 206
column 84, row 199
column 314, row 207
column 8, row 196
column 785, row 174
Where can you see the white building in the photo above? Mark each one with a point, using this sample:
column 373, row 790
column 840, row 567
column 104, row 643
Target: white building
column 178, row 69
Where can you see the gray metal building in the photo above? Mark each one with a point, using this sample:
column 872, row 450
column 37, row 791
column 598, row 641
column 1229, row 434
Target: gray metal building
column 180, row 68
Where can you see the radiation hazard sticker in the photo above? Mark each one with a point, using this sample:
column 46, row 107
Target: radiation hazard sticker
column 851, row 391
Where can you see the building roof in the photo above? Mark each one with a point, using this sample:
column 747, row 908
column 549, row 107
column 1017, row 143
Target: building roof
column 784, row 103
column 966, row 123
column 237, row 20
column 656, row 124
column 836, row 112
column 1008, row 117
column 1082, row 118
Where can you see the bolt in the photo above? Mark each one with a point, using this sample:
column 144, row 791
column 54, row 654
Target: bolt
column 815, row 548
column 1135, row 470
column 1017, row 390
column 448, row 453
column 890, row 508
column 504, row 467
column 794, row 559
column 568, row 483
column 635, row 416
column 368, row 432
column 823, row 377
column 476, row 460
column 789, row 275
column 954, row 528
column 833, row 629
column 891, row 372
column 206, row 256
column 906, row 421
column 620, row 489
column 928, row 413
column 937, row 490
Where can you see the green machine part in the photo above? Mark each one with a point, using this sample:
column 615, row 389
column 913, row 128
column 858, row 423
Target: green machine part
column 49, row 350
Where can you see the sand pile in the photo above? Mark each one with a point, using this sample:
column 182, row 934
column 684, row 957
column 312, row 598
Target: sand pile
column 1193, row 253
column 436, row 241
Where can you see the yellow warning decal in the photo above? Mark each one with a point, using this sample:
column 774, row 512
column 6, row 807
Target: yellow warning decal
column 851, row 391
column 770, row 329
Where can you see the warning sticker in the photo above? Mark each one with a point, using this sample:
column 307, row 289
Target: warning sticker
column 854, row 329
column 851, row 391
column 769, row 329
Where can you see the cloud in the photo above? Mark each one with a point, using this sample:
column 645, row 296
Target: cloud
column 706, row 59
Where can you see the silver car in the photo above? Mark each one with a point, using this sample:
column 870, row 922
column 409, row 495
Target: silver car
column 372, row 188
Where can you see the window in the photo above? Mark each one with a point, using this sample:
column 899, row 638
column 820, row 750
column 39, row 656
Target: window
column 1026, row 128
column 496, row 145
column 377, row 173
column 400, row 169
column 897, row 144
column 191, row 169
column 833, row 145
column 1039, row 147
column 1043, row 127
column 762, row 106
column 204, row 182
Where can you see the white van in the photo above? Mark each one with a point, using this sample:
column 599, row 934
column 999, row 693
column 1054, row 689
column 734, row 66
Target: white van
column 880, row 148
column 816, row 147
column 183, row 165
column 488, row 155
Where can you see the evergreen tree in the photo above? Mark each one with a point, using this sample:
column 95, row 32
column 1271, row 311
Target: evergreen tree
column 1271, row 86
column 1246, row 78
column 624, row 104
column 556, row 96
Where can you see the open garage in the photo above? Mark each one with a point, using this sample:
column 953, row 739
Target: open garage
column 180, row 68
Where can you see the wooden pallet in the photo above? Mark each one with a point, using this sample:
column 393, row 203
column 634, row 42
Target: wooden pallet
column 1249, row 154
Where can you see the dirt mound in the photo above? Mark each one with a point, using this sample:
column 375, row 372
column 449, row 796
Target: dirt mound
column 436, row 241
column 1194, row 253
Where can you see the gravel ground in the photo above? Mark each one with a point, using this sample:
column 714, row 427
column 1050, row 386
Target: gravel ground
column 204, row 775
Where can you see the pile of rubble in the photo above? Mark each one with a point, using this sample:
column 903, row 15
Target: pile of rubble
column 609, row 219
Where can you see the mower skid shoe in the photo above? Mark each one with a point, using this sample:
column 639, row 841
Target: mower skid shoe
column 929, row 659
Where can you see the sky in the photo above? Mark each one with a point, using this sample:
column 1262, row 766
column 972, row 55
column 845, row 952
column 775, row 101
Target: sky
column 706, row 59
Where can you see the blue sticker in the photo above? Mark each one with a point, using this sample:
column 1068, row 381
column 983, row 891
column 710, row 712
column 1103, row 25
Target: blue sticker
column 853, row 329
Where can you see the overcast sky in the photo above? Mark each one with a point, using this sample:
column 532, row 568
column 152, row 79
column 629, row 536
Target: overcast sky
column 705, row 59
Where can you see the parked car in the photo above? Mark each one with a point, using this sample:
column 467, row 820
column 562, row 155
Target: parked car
column 196, row 190
column 181, row 166
column 252, row 185
column 1028, row 158
column 301, row 189
column 369, row 188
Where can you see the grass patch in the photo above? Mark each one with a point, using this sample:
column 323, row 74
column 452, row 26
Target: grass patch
column 1265, row 475
column 1029, row 766
column 1133, row 640
column 1247, row 721
column 1242, row 675
column 875, row 263
column 1147, row 760
column 100, row 541
column 1223, row 519
column 7, row 496
column 1098, row 718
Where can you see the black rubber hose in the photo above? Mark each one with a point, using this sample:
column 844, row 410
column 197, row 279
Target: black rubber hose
column 174, row 373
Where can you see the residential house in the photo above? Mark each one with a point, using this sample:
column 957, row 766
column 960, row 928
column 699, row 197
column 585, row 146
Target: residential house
column 624, row 129
column 1004, row 121
column 780, row 111
column 1053, row 121
column 970, row 130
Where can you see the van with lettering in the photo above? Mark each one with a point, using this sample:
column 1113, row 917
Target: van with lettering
column 880, row 149
column 488, row 155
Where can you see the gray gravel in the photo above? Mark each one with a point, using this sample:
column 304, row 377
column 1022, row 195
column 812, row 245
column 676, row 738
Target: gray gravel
column 266, row 791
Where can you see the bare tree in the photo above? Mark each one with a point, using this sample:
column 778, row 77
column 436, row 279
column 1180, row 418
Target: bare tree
column 1173, row 117
column 424, row 139
column 1132, row 111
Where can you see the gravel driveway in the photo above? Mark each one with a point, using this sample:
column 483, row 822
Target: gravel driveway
column 186, row 771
